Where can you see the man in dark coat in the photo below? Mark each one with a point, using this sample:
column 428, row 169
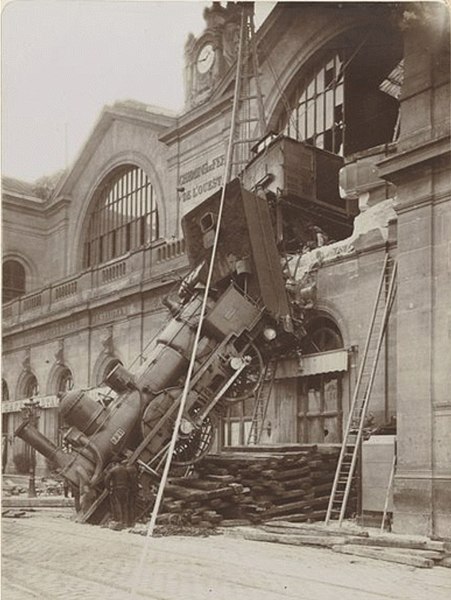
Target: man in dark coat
column 117, row 484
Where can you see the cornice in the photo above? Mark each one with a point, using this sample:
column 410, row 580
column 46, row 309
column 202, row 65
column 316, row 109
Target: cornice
column 421, row 202
column 194, row 119
column 22, row 205
column 412, row 157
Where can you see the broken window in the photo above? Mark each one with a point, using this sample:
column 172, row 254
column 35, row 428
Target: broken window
column 316, row 102
column 344, row 103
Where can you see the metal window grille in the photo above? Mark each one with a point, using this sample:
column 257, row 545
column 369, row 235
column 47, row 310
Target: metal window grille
column 124, row 216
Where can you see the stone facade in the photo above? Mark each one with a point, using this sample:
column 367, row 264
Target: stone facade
column 82, row 318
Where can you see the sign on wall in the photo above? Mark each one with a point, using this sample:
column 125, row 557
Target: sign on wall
column 202, row 180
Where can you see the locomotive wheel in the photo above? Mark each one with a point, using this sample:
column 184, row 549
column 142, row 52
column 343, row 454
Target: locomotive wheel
column 189, row 449
column 250, row 378
column 193, row 441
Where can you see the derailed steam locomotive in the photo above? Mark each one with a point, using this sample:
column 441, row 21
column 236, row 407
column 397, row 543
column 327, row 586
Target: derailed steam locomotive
column 248, row 310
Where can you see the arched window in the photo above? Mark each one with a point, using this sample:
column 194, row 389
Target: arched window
column 5, row 391
column 110, row 366
column 30, row 386
column 317, row 103
column 124, row 216
column 323, row 335
column 345, row 102
column 13, row 280
column 320, row 391
column 65, row 381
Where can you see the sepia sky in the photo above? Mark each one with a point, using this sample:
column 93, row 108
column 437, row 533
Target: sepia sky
column 63, row 60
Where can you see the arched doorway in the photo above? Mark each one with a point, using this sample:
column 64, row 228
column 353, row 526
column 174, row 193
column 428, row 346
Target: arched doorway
column 320, row 388
column 5, row 427
column 64, row 383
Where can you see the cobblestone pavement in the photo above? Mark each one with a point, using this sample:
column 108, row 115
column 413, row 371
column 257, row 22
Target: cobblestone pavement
column 52, row 558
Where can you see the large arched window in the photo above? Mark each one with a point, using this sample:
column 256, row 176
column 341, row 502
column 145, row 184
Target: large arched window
column 124, row 216
column 317, row 115
column 343, row 102
column 13, row 280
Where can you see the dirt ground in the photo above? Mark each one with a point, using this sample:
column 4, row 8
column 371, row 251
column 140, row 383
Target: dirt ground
column 46, row 555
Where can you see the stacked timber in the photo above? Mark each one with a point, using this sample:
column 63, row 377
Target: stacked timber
column 252, row 485
column 292, row 484
column 201, row 502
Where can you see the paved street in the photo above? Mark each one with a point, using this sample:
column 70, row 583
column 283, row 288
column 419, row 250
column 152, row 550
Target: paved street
column 49, row 557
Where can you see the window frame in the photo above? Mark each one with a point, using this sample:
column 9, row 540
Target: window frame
column 9, row 291
column 124, row 216
column 303, row 122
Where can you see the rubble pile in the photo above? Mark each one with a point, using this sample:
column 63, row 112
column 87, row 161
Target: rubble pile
column 239, row 488
column 44, row 487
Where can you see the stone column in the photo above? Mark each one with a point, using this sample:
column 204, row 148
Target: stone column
column 420, row 170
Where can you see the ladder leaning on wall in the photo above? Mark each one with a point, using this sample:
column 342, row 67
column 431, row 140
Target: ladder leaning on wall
column 261, row 402
column 352, row 439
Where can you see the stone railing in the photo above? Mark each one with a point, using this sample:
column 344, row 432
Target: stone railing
column 114, row 271
column 65, row 289
column 171, row 250
column 144, row 264
column 31, row 302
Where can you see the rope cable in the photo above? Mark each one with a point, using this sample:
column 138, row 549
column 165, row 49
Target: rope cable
column 227, row 170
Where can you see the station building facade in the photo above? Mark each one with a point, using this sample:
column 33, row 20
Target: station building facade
column 363, row 89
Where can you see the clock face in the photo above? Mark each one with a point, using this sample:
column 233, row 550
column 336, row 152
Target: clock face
column 205, row 58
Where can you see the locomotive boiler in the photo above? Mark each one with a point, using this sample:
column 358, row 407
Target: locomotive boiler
column 247, row 308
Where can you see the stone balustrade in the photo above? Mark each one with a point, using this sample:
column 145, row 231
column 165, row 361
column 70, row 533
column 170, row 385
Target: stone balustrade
column 142, row 265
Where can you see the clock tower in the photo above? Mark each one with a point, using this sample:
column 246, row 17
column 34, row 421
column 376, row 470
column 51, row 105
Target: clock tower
column 209, row 57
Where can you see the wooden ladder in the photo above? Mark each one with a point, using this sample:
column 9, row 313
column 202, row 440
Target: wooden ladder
column 344, row 475
column 262, row 396
column 251, row 123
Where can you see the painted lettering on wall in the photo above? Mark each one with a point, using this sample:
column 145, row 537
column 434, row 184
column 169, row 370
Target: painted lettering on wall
column 196, row 189
column 109, row 315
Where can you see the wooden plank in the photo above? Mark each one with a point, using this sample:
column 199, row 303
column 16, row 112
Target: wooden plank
column 287, row 474
column 292, row 540
column 320, row 529
column 384, row 554
column 385, row 541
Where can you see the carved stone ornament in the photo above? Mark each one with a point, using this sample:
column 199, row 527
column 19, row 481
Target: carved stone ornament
column 107, row 341
column 59, row 354
column 26, row 363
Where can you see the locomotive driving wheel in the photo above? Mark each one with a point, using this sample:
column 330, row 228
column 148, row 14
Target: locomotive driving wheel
column 194, row 438
column 194, row 441
column 250, row 377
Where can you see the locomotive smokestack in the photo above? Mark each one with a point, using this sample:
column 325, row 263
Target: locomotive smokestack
column 29, row 434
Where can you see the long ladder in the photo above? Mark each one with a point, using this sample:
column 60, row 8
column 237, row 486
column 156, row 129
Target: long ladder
column 251, row 124
column 347, row 461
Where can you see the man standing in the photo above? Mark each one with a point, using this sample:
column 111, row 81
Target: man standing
column 117, row 484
